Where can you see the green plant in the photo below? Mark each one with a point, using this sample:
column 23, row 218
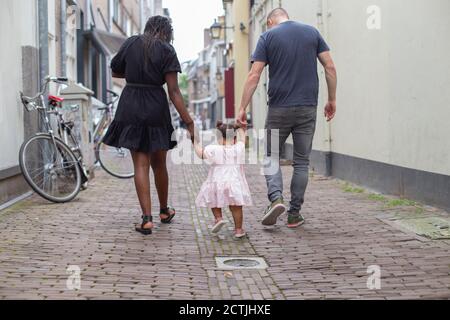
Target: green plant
column 377, row 197
column 401, row 203
column 350, row 189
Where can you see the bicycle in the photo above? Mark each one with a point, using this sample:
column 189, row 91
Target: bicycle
column 115, row 161
column 48, row 164
column 53, row 165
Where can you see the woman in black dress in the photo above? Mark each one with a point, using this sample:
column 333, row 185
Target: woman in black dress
column 143, row 123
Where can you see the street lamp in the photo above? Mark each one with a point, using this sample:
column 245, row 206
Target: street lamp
column 216, row 30
column 219, row 76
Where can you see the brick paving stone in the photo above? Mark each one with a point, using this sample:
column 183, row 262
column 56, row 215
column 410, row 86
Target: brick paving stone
column 327, row 258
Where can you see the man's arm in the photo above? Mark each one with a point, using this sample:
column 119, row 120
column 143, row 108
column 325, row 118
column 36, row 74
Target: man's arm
column 249, row 89
column 330, row 71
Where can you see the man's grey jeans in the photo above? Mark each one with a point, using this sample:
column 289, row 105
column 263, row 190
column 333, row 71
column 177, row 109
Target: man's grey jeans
column 281, row 122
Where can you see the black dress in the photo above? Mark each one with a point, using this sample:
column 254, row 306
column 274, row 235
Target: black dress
column 142, row 122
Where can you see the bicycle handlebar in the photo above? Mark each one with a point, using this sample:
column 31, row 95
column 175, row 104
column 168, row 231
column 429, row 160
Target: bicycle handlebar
column 113, row 93
column 56, row 79
column 30, row 100
column 114, row 99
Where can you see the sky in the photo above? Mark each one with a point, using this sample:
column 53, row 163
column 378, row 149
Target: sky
column 190, row 17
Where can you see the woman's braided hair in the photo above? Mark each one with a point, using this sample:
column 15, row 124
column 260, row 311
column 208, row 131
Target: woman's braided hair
column 158, row 28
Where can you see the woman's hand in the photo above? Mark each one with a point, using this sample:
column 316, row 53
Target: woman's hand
column 191, row 130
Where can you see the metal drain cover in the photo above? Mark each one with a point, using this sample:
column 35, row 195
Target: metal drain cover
column 236, row 263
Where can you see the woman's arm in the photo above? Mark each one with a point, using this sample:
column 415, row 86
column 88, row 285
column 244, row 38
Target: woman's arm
column 177, row 98
column 199, row 151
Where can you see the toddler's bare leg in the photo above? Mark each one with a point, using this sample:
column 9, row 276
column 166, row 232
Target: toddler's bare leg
column 217, row 212
column 238, row 217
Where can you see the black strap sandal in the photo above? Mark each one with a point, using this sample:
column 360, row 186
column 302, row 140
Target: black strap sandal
column 141, row 229
column 166, row 211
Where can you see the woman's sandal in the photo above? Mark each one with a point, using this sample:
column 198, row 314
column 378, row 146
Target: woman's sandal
column 167, row 212
column 141, row 229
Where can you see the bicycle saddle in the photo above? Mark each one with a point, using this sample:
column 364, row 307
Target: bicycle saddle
column 55, row 99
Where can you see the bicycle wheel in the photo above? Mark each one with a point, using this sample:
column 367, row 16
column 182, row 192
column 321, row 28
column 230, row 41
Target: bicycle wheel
column 51, row 169
column 116, row 161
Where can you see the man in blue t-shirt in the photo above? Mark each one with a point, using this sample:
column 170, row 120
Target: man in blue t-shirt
column 291, row 51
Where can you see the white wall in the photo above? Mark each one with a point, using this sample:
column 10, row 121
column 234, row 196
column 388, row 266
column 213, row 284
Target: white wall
column 18, row 29
column 393, row 96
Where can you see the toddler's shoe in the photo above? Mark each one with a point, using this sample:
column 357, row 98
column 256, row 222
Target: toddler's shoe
column 218, row 226
column 239, row 234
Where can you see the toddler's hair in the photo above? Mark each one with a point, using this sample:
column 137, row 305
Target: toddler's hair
column 223, row 128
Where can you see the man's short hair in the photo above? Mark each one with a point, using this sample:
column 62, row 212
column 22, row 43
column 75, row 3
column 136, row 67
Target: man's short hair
column 278, row 12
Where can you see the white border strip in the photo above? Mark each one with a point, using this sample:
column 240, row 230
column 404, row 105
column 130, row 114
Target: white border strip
column 15, row 200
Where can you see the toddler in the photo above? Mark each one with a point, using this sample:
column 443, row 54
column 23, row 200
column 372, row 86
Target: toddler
column 226, row 185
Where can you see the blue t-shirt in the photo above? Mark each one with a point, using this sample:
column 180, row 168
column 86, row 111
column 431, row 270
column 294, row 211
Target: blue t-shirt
column 291, row 49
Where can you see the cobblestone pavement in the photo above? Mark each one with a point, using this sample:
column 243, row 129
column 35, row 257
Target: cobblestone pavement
column 327, row 258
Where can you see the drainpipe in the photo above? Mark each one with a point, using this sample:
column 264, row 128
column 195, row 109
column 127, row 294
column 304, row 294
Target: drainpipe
column 141, row 16
column 323, row 16
column 43, row 53
column 110, row 15
column 63, row 37
column 88, row 14
column 43, row 40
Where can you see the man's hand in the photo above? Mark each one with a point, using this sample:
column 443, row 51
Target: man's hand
column 331, row 74
column 242, row 118
column 330, row 110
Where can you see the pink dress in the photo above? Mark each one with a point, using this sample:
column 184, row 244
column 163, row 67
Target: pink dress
column 226, row 184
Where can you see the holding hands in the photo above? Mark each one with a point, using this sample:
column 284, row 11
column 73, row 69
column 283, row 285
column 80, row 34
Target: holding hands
column 242, row 119
column 192, row 131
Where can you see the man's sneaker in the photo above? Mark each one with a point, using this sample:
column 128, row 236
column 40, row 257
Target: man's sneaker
column 276, row 209
column 295, row 221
